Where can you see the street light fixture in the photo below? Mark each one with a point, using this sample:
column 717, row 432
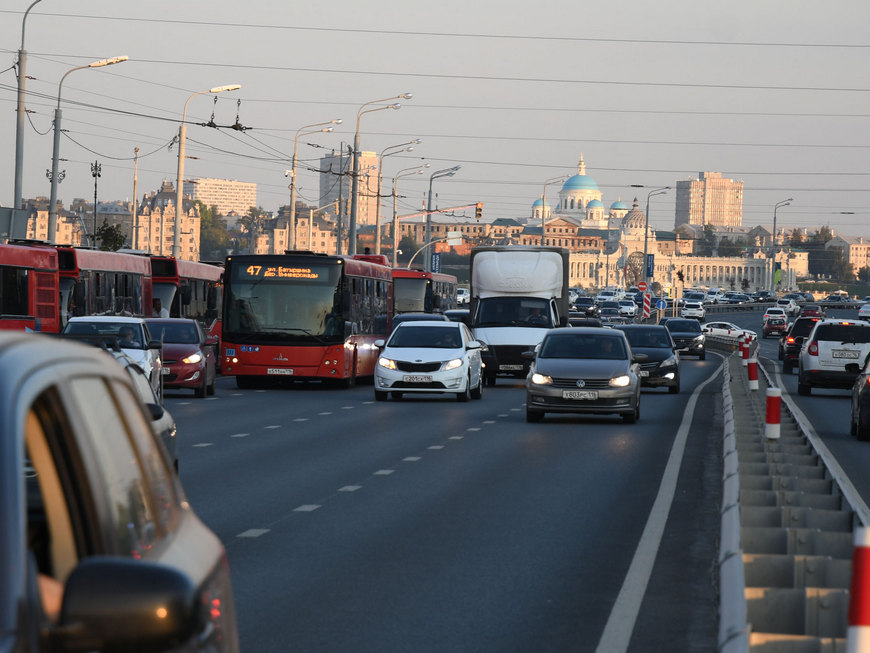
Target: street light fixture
column 407, row 172
column 19, row 122
column 354, row 204
column 544, row 203
column 53, row 175
column 773, row 244
column 655, row 191
column 447, row 172
column 291, row 236
column 401, row 147
column 182, row 135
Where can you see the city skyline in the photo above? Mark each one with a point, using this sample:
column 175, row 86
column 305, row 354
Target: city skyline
column 770, row 95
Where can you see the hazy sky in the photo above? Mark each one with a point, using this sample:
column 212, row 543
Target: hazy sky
column 775, row 93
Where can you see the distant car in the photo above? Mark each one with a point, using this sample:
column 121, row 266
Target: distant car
column 727, row 329
column 92, row 508
column 791, row 343
column 582, row 321
column 774, row 311
column 739, row 298
column 831, row 345
column 189, row 355
column 693, row 309
column 836, row 299
column 765, row 296
column 584, row 370
column 813, row 310
column 789, row 306
column 627, row 308
column 690, row 296
column 687, row 336
column 611, row 316
column 662, row 364
column 463, row 296
column 715, row 296
column 587, row 305
column 459, row 315
column 774, row 326
column 864, row 312
column 429, row 357
column 133, row 336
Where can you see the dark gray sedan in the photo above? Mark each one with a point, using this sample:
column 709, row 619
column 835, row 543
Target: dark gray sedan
column 584, row 370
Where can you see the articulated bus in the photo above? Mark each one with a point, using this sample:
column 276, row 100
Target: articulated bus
column 422, row 292
column 188, row 288
column 302, row 315
column 28, row 288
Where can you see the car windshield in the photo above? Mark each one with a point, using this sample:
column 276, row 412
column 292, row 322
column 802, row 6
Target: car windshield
column 184, row 333
column 692, row 326
column 426, row 337
column 802, row 328
column 583, row 345
column 130, row 336
column 652, row 338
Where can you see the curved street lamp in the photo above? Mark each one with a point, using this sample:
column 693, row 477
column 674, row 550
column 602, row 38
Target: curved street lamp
column 773, row 245
column 17, row 203
column 407, row 172
column 53, row 175
column 354, row 205
column 544, row 203
column 654, row 191
column 291, row 236
column 401, row 147
column 182, row 135
column 446, row 172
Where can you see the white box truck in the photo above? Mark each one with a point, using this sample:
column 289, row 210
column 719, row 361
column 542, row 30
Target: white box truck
column 517, row 293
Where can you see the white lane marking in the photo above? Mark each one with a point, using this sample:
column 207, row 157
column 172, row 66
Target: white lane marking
column 620, row 624
column 349, row 488
column 384, row 472
column 238, row 394
column 347, row 407
column 365, row 403
column 412, row 459
column 516, row 409
column 183, row 403
column 253, row 532
column 456, row 437
column 436, row 447
column 211, row 398
column 301, row 419
column 240, row 435
column 203, row 444
column 503, row 415
column 259, row 391
column 309, row 507
column 473, row 428
column 326, row 413
column 273, row 426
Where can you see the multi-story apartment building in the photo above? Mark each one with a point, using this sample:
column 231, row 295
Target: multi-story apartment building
column 336, row 180
column 227, row 195
column 856, row 250
column 709, row 199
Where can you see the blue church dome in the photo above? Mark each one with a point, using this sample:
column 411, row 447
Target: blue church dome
column 595, row 204
column 537, row 203
column 618, row 206
column 580, row 182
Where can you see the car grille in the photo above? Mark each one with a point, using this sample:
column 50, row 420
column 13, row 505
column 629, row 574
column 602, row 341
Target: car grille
column 405, row 366
column 435, row 385
column 589, row 384
column 649, row 366
column 510, row 353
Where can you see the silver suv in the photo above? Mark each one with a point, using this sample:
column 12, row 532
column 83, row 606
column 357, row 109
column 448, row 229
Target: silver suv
column 831, row 345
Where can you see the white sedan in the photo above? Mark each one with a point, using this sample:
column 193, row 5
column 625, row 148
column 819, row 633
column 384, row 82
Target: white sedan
column 864, row 312
column 429, row 357
column 727, row 329
column 627, row 308
column 774, row 311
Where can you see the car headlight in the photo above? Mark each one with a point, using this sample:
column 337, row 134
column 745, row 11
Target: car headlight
column 620, row 381
column 669, row 362
column 541, row 379
column 387, row 363
column 193, row 358
column 451, row 365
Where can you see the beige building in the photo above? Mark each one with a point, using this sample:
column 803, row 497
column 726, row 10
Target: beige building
column 856, row 250
column 157, row 224
column 336, row 180
column 227, row 195
column 709, row 199
column 70, row 228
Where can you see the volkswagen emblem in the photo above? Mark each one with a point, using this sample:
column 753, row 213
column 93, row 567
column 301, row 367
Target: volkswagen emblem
column 581, row 383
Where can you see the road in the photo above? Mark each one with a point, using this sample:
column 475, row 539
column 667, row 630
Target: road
column 431, row 525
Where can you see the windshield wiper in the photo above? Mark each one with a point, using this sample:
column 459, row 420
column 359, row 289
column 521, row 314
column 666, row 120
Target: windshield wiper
column 285, row 329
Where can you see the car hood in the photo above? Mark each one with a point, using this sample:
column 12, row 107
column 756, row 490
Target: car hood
column 140, row 356
column 422, row 355
column 174, row 350
column 581, row 368
column 686, row 334
column 654, row 354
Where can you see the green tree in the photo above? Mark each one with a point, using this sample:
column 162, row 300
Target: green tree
column 213, row 236
column 252, row 223
column 708, row 241
column 796, row 238
column 111, row 237
column 864, row 274
column 408, row 246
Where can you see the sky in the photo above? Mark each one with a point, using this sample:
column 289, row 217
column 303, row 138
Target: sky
column 773, row 93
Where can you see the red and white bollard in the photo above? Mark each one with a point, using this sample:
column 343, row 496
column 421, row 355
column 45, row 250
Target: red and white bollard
column 774, row 413
column 752, row 369
column 858, row 637
column 745, row 351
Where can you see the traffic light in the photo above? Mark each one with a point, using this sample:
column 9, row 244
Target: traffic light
column 478, row 210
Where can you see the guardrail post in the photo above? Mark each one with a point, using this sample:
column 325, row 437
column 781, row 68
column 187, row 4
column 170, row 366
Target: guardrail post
column 858, row 637
column 752, row 369
column 774, row 414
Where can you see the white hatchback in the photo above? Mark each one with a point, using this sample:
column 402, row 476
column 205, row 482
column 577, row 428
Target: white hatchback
column 429, row 357
column 693, row 310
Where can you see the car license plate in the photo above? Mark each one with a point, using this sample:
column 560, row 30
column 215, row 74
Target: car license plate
column 510, row 368
column 166, row 370
column 845, row 353
column 579, row 394
column 285, row 371
column 417, row 378
column 644, row 373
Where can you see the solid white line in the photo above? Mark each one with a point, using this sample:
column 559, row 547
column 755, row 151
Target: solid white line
column 240, row 435
column 620, row 624
column 349, row 488
column 412, row 459
column 384, row 472
column 253, row 532
column 306, row 508
column 203, row 444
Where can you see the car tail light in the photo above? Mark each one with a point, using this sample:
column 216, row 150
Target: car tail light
column 813, row 348
column 790, row 340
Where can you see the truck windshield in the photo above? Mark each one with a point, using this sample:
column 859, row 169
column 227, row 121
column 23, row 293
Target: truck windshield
column 513, row 311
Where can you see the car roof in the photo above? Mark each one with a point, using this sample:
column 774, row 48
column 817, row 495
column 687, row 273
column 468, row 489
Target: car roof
column 635, row 327
column 431, row 317
column 108, row 318
column 429, row 323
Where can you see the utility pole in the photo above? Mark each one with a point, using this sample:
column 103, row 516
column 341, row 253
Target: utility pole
column 135, row 199
column 95, row 173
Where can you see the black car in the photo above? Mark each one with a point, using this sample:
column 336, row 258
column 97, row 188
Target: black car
column 790, row 344
column 765, row 296
column 859, row 422
column 587, row 305
column 579, row 320
column 687, row 336
column 457, row 315
column 662, row 365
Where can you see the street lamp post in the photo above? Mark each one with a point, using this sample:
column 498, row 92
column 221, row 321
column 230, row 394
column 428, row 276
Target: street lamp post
column 544, row 204
column 354, row 204
column 447, row 172
column 53, row 175
column 773, row 245
column 182, row 135
column 19, row 119
column 407, row 172
column 96, row 169
column 655, row 191
column 291, row 236
column 404, row 147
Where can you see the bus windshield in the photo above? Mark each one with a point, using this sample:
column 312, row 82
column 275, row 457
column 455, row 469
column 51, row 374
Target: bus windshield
column 410, row 295
column 284, row 302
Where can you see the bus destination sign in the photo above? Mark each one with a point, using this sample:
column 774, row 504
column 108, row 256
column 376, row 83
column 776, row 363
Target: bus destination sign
column 280, row 272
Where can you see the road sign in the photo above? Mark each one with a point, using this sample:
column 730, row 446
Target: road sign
column 641, row 285
column 650, row 266
column 661, row 304
column 646, row 303
column 436, row 262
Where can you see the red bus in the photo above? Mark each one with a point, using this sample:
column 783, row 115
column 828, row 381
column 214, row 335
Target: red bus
column 188, row 288
column 303, row 315
column 416, row 291
column 29, row 288
column 94, row 282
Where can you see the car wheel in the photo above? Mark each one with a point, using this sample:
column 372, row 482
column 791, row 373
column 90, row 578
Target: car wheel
column 533, row 415
column 465, row 395
column 477, row 393
column 397, row 395
column 490, row 380
column 629, row 418
column 862, row 428
column 804, row 389
column 381, row 396
column 853, row 427
column 702, row 356
column 212, row 387
column 202, row 390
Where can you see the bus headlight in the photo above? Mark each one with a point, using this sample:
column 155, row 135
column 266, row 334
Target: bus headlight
column 387, row 363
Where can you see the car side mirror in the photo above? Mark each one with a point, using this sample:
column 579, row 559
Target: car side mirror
column 212, row 340
column 156, row 411
column 639, row 358
column 474, row 345
column 379, row 344
column 113, row 601
column 155, row 344
column 529, row 353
